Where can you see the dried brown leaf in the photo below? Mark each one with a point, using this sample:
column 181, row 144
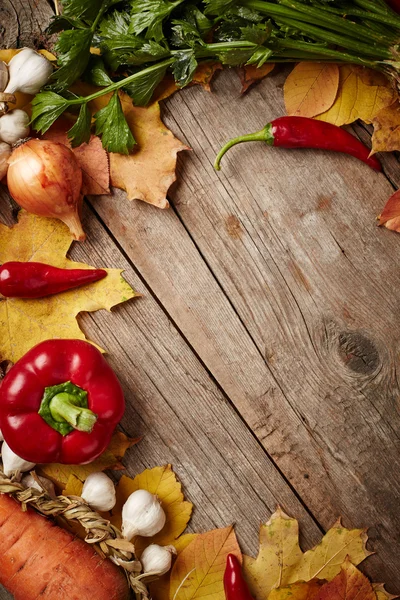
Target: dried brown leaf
column 386, row 136
column 311, row 89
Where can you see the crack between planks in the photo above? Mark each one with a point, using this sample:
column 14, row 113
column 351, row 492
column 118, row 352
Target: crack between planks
column 205, row 367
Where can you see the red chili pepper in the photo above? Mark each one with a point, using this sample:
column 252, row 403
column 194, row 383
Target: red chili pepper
column 35, row 280
column 234, row 583
column 60, row 403
column 300, row 132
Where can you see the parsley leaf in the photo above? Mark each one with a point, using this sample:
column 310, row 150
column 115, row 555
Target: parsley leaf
column 73, row 49
column 217, row 7
column 118, row 137
column 185, row 34
column 142, row 88
column 184, row 67
column 131, row 50
column 80, row 131
column 114, row 24
column 87, row 10
column 96, row 73
column 150, row 14
column 46, row 108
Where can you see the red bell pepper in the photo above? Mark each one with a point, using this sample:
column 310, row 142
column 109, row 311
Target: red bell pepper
column 36, row 280
column 60, row 403
column 234, row 584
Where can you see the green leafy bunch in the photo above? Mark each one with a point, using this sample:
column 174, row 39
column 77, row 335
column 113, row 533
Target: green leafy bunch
column 137, row 41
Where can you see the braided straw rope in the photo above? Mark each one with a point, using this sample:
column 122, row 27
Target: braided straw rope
column 108, row 539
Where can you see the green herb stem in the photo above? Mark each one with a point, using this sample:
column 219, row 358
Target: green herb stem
column 317, row 32
column 339, row 24
column 123, row 82
column 325, row 52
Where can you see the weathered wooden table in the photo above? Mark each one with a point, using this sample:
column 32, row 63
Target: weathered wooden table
column 263, row 358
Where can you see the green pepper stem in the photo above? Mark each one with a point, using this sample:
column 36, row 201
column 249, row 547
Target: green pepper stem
column 264, row 135
column 63, row 409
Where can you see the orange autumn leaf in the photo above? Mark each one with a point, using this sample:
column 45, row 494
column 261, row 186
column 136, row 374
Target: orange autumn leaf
column 204, row 74
column 390, row 216
column 251, row 74
column 148, row 172
column 386, row 136
column 360, row 96
column 303, row 590
column 349, row 584
column 92, row 158
column 311, row 89
column 199, row 569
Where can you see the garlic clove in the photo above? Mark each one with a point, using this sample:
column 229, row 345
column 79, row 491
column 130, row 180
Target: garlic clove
column 157, row 559
column 45, row 484
column 142, row 514
column 14, row 126
column 3, row 76
column 12, row 462
column 28, row 72
column 99, row 492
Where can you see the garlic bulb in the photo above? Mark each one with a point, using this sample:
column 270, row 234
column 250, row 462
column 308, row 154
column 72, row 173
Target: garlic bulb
column 12, row 462
column 14, row 126
column 142, row 514
column 156, row 559
column 45, row 484
column 99, row 492
column 3, row 75
column 28, row 72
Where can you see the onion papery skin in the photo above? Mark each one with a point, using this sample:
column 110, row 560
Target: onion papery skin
column 45, row 179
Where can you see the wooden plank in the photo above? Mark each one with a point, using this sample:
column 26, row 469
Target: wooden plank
column 184, row 418
column 291, row 241
column 23, row 22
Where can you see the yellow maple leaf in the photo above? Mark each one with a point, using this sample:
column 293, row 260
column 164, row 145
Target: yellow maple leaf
column 162, row 482
column 281, row 562
column 73, row 486
column 199, row 569
column 279, row 552
column 303, row 590
column 361, row 95
column 325, row 560
column 311, row 89
column 25, row 322
column 386, row 136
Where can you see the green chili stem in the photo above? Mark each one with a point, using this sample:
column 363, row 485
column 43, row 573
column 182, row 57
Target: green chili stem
column 264, row 135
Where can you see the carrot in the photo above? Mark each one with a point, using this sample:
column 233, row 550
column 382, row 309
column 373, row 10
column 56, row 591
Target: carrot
column 41, row 561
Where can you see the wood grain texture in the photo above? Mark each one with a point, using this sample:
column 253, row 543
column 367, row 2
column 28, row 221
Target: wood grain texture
column 176, row 406
column 294, row 312
column 268, row 340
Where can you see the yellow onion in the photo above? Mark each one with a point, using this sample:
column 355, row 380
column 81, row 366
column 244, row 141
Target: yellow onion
column 45, row 179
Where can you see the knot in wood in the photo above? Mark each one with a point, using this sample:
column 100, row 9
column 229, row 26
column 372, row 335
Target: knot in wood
column 358, row 353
